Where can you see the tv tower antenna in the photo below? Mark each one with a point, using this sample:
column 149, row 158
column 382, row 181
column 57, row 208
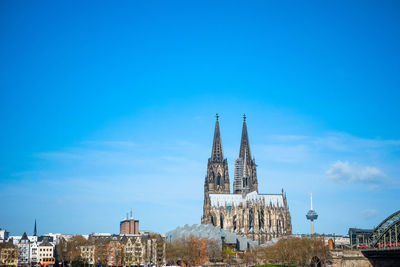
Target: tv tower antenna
column 311, row 215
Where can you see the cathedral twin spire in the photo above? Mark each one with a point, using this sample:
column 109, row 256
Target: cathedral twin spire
column 217, row 179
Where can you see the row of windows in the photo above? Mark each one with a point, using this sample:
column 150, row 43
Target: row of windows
column 48, row 260
column 46, row 249
column 279, row 223
column 45, row 255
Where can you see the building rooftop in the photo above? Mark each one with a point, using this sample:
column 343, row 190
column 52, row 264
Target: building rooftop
column 209, row 231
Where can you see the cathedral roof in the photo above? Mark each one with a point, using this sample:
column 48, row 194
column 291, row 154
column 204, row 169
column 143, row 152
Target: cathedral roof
column 237, row 199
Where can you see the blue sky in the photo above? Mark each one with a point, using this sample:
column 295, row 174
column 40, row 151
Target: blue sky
column 110, row 105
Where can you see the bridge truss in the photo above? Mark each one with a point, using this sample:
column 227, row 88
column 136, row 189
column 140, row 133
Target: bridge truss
column 387, row 233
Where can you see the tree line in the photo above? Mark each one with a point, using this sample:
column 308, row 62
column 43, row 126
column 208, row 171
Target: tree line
column 286, row 252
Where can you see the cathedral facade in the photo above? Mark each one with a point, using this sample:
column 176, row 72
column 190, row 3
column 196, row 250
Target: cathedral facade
column 244, row 211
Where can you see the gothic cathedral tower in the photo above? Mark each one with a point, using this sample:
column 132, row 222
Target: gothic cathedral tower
column 217, row 178
column 245, row 180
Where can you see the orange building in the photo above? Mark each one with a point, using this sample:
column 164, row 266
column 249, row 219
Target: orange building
column 114, row 253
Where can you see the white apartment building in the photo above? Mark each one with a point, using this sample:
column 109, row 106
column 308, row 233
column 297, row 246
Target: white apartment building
column 23, row 250
column 3, row 235
column 34, row 253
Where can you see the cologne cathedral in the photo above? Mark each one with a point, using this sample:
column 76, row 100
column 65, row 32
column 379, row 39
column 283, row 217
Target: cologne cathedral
column 245, row 211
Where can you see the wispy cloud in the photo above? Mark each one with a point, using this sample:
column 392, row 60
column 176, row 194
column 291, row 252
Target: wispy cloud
column 369, row 214
column 173, row 174
column 336, row 141
column 343, row 171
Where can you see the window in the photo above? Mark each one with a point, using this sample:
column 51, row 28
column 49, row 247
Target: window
column 250, row 219
column 261, row 219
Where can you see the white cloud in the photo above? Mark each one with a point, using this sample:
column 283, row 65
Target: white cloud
column 343, row 171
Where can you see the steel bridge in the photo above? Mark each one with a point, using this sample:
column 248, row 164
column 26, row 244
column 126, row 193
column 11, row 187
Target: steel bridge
column 387, row 233
column 384, row 243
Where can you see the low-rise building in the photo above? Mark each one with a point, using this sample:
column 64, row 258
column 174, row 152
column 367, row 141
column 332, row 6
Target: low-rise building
column 24, row 250
column 54, row 238
column 34, row 253
column 46, row 253
column 133, row 251
column 88, row 254
column 3, row 235
column 15, row 239
column 154, row 249
column 9, row 257
column 114, row 252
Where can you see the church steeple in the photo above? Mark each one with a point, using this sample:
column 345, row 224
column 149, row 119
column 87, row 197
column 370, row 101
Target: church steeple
column 245, row 167
column 244, row 143
column 217, row 155
column 217, row 177
column 34, row 229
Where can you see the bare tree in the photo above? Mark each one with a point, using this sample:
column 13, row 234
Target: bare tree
column 296, row 251
column 214, row 250
column 100, row 255
column 61, row 250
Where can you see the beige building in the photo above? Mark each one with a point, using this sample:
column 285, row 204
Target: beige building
column 127, row 250
column 154, row 253
column 245, row 211
column 88, row 254
column 144, row 249
column 46, row 253
column 9, row 257
column 133, row 251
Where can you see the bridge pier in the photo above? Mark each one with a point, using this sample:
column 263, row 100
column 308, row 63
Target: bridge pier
column 383, row 257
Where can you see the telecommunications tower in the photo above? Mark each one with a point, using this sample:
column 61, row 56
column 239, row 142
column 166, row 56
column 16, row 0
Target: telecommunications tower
column 311, row 215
